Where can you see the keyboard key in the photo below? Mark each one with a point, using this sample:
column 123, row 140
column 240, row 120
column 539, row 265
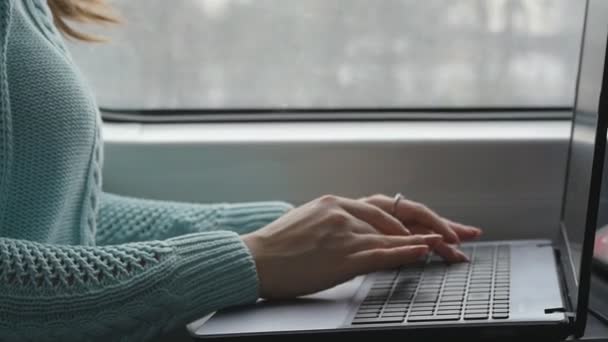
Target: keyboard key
column 423, row 305
column 404, row 297
column 433, row 278
column 476, row 311
column 481, row 282
column 364, row 310
column 406, row 288
column 500, row 312
column 423, row 308
column 478, row 296
column 448, row 312
column 393, row 314
column 500, row 315
column 480, row 289
column 453, row 294
column 449, row 307
column 475, row 316
column 454, row 288
column 372, row 304
column 425, row 299
column 433, row 318
column 477, row 304
column 421, row 313
column 433, row 275
column 481, row 275
column 397, row 306
column 452, row 298
column 366, row 315
column 408, row 280
column 384, row 288
column 458, row 269
column 478, row 307
column 428, row 292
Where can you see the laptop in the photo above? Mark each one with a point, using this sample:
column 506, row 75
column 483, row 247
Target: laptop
column 509, row 288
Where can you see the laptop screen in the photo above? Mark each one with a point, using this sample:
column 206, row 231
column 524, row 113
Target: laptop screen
column 588, row 139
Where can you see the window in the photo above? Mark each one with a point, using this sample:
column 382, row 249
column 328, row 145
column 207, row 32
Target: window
column 336, row 54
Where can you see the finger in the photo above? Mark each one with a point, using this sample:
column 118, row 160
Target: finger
column 381, row 201
column 368, row 242
column 421, row 214
column 363, row 228
column 445, row 251
column 464, row 232
column 450, row 253
column 387, row 258
column 375, row 216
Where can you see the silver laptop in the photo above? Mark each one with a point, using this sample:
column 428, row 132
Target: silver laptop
column 510, row 288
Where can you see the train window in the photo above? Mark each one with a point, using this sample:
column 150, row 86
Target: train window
column 326, row 55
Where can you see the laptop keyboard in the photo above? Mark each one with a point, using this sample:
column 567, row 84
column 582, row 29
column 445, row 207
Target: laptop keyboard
column 435, row 291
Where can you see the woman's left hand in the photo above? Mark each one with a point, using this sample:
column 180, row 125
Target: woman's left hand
column 419, row 219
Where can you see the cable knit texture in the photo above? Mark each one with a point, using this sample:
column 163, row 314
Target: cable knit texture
column 79, row 264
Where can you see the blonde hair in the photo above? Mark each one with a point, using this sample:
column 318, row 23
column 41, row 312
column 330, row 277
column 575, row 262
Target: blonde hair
column 81, row 11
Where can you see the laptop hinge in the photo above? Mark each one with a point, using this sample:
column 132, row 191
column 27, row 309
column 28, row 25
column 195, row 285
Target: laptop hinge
column 568, row 314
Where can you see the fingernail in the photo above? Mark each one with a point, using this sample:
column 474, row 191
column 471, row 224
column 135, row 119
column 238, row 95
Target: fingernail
column 476, row 231
column 407, row 231
column 433, row 240
column 465, row 257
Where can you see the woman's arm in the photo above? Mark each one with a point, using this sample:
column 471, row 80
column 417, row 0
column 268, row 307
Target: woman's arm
column 125, row 219
column 138, row 290
column 127, row 292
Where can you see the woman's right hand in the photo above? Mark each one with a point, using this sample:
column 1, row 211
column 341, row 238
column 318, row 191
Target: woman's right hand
column 327, row 242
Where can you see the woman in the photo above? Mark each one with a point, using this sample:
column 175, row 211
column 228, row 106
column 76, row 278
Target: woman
column 80, row 264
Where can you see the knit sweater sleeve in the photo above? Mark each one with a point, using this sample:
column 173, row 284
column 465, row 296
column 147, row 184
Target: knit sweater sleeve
column 129, row 292
column 125, row 219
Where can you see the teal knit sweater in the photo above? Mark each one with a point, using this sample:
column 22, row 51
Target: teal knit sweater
column 77, row 263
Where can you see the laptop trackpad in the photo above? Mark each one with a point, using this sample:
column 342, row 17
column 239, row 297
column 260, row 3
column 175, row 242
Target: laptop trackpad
column 323, row 310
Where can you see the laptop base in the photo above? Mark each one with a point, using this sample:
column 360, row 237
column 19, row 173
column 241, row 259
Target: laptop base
column 536, row 306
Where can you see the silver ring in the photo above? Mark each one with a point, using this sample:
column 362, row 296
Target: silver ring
column 398, row 197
